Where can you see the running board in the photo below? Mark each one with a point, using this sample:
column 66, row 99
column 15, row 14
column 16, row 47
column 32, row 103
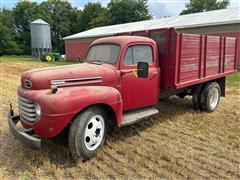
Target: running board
column 134, row 116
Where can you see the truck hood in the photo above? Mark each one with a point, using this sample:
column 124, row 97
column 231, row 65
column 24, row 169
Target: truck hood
column 69, row 75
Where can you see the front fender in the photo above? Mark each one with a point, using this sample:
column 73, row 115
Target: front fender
column 68, row 101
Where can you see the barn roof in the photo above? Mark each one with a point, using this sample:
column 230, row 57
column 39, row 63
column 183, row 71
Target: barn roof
column 210, row 18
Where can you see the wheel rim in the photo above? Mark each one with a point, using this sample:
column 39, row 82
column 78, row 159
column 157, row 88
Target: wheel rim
column 214, row 98
column 49, row 58
column 94, row 132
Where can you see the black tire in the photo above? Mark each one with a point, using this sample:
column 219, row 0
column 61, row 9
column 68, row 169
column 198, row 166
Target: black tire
column 196, row 96
column 76, row 138
column 165, row 99
column 57, row 58
column 43, row 58
column 210, row 97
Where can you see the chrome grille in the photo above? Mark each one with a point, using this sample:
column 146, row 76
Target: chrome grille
column 27, row 109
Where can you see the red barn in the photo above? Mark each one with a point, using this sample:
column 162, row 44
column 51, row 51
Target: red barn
column 224, row 22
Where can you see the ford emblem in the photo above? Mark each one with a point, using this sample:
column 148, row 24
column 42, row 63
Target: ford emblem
column 27, row 84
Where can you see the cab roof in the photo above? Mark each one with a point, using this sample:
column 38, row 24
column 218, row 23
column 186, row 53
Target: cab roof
column 123, row 40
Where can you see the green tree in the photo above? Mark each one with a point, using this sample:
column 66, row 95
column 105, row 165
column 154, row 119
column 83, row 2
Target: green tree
column 64, row 20
column 124, row 11
column 24, row 13
column 8, row 43
column 75, row 24
column 93, row 15
column 62, row 17
column 195, row 6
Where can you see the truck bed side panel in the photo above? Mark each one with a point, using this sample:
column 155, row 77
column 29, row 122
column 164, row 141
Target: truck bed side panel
column 202, row 58
column 189, row 59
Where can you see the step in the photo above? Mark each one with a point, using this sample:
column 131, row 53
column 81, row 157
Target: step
column 133, row 116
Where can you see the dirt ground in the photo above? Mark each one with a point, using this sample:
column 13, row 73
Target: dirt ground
column 179, row 143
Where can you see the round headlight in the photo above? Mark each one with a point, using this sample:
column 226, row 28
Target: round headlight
column 38, row 109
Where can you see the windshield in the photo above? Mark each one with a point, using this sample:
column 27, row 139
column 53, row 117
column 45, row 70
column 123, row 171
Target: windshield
column 107, row 53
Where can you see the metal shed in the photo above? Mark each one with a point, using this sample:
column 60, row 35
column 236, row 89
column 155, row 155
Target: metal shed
column 224, row 22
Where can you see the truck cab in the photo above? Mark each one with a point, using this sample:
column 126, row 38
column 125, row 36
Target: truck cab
column 124, row 53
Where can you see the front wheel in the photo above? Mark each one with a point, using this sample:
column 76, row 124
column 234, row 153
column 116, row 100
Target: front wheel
column 87, row 133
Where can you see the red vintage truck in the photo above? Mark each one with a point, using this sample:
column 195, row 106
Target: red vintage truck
column 121, row 81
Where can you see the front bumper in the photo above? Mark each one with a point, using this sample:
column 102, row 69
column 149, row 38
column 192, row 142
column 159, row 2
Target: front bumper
column 25, row 135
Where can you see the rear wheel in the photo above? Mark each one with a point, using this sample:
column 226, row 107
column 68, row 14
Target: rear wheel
column 43, row 58
column 210, row 97
column 87, row 133
column 196, row 96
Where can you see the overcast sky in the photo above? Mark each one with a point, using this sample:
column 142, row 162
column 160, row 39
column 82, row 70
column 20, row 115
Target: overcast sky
column 158, row 8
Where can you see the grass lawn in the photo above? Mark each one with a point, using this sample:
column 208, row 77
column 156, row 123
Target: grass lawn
column 234, row 80
column 234, row 77
column 37, row 61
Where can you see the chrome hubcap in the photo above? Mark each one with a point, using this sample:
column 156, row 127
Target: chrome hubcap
column 214, row 98
column 94, row 132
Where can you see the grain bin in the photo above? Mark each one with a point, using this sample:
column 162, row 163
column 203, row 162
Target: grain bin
column 40, row 38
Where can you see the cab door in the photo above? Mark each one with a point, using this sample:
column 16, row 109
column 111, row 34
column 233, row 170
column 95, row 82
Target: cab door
column 139, row 92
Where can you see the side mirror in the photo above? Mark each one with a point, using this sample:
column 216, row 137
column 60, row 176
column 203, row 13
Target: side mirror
column 142, row 69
